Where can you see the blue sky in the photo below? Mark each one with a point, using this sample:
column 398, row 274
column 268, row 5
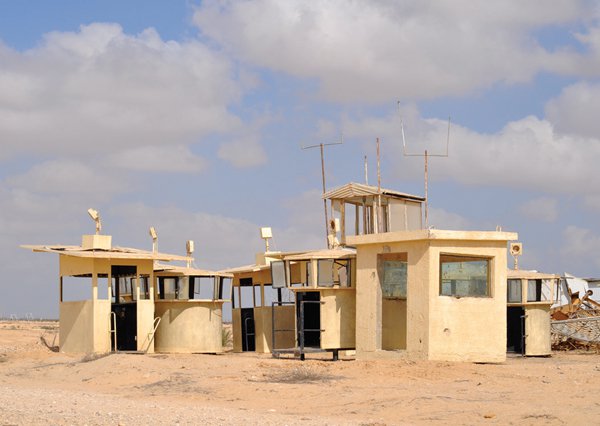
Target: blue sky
column 190, row 116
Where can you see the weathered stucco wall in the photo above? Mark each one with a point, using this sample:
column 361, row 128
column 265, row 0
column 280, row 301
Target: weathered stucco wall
column 189, row 326
column 469, row 328
column 84, row 326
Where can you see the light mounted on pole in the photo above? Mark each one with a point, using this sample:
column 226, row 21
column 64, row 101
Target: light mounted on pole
column 96, row 218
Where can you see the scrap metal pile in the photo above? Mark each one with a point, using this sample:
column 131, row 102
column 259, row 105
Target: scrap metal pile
column 576, row 325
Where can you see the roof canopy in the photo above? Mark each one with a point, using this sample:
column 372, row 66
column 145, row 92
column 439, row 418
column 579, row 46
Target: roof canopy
column 354, row 193
column 340, row 253
column 113, row 253
column 163, row 270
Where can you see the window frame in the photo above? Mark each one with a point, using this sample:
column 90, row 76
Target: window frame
column 468, row 258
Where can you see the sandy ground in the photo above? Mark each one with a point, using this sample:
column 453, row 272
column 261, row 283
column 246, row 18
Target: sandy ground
column 38, row 386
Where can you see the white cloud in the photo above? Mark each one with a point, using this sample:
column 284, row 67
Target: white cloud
column 581, row 247
column 69, row 177
column 575, row 110
column 543, row 209
column 102, row 90
column 160, row 159
column 381, row 51
column 243, row 152
column 525, row 154
column 442, row 219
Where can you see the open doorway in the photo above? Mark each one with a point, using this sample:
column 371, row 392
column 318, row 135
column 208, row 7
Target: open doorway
column 124, row 308
column 515, row 341
column 308, row 311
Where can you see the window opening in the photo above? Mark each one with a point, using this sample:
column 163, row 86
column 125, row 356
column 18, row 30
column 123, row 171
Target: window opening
column 393, row 275
column 464, row 276
column 514, row 289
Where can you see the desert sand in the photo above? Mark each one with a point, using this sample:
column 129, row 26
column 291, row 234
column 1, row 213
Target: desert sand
column 39, row 386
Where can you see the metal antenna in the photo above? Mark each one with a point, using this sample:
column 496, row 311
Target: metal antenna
column 322, row 145
column 426, row 155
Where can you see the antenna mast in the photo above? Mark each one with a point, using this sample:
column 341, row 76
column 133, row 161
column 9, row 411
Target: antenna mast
column 426, row 155
column 321, row 146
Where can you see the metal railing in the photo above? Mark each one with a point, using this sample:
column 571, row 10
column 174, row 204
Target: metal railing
column 112, row 319
column 246, row 320
column 151, row 333
column 301, row 330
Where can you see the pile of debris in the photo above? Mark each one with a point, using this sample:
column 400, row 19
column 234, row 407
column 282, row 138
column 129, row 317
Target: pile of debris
column 576, row 325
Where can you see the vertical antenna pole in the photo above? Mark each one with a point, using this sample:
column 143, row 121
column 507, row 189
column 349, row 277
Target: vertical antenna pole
column 378, row 215
column 366, row 171
column 324, row 200
column 322, row 146
column 426, row 196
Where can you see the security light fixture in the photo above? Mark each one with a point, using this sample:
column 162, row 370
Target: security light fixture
column 96, row 218
column 189, row 248
column 266, row 234
column 516, row 250
column 154, row 236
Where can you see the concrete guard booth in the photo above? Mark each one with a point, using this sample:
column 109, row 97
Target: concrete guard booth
column 432, row 294
column 530, row 295
column 295, row 302
column 324, row 287
column 122, row 319
column 190, row 307
column 252, row 306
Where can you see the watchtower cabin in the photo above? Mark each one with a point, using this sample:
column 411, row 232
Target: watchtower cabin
column 324, row 286
column 530, row 295
column 363, row 209
column 189, row 305
column 119, row 314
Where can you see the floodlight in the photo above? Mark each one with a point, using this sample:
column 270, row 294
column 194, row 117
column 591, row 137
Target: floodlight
column 96, row 218
column 266, row 234
column 189, row 246
column 516, row 250
column 154, row 236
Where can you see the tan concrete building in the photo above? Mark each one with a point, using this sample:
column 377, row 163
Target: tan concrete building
column 136, row 304
column 295, row 302
column 119, row 314
column 432, row 294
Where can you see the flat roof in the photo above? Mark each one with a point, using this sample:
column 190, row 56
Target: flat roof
column 113, row 253
column 430, row 234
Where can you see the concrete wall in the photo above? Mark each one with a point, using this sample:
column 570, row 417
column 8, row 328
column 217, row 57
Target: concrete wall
column 84, row 327
column 468, row 328
column 338, row 318
column 189, row 326
column 145, row 325
column 236, row 322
